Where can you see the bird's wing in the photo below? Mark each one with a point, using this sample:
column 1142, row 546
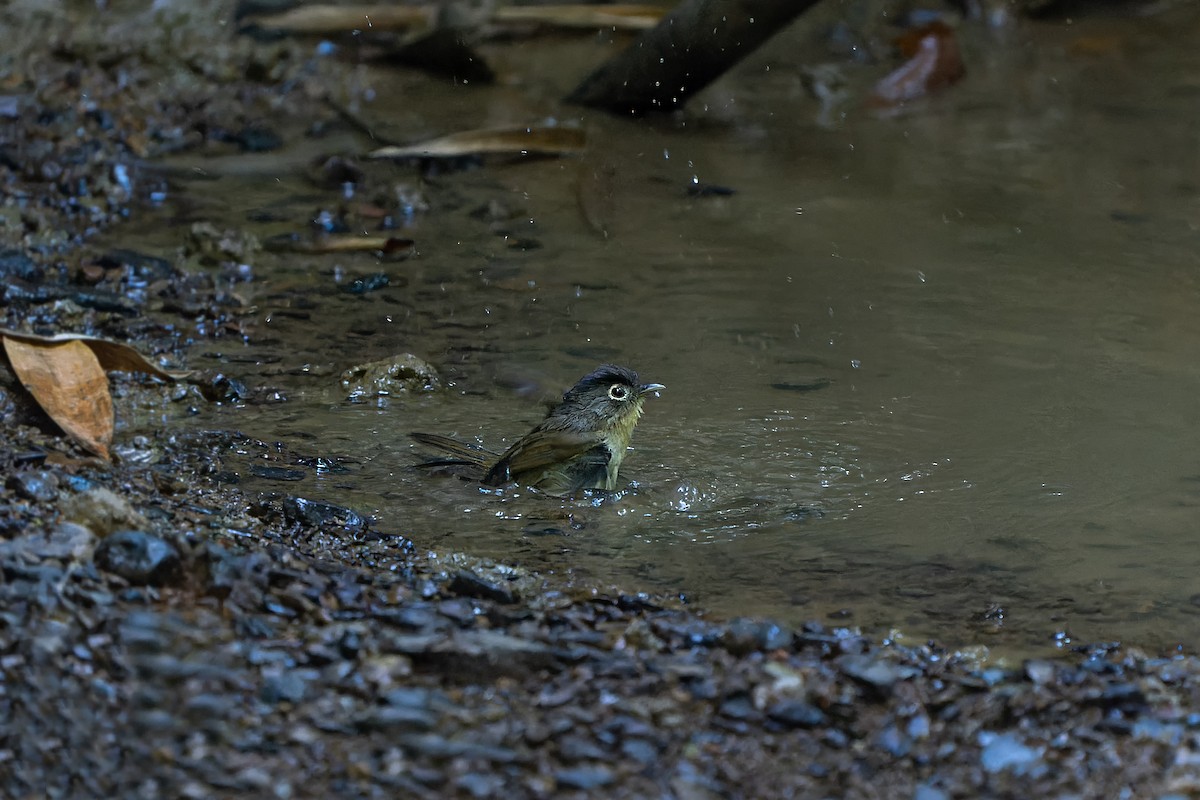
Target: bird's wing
column 589, row 471
column 466, row 453
column 538, row 451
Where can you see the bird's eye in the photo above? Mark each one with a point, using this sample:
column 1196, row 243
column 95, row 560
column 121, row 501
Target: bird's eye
column 618, row 392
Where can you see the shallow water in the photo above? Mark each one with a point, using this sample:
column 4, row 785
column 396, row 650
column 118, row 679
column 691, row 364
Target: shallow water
column 999, row 286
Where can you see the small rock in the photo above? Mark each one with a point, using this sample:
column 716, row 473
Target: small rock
column 875, row 671
column 472, row 654
column 460, row 611
column 399, row 374
column 15, row 264
column 1003, row 751
column 744, row 636
column 894, row 742
column 289, row 686
column 139, row 557
column 796, row 714
column 481, row 785
column 318, row 514
column 640, row 750
column 396, row 718
column 738, row 707
column 213, row 246
column 101, row 510
column 435, row 746
column 466, row 583
column 40, row 486
column 580, row 748
column 927, row 791
column 276, row 473
column 1039, row 672
column 584, row 778
column 65, row 542
column 416, row 697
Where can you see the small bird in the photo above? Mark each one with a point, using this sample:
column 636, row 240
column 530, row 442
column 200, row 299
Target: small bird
column 579, row 445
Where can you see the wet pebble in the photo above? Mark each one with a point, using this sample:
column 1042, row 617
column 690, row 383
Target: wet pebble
column 413, row 616
column 39, row 486
column 460, row 611
column 436, row 746
column 143, row 267
column 796, row 714
column 738, row 707
column 744, row 636
column 416, row 697
column 139, row 557
column 466, row 583
column 584, row 778
column 875, row 671
column 479, row 784
column 894, row 742
column 16, row 264
column 396, row 718
column 64, row 542
column 927, row 791
column 399, row 374
column 1040, row 672
column 640, row 750
column 276, row 473
column 1006, row 751
column 101, row 510
column 577, row 747
column 693, row 632
column 319, row 514
column 366, row 284
column 538, row 732
column 288, row 686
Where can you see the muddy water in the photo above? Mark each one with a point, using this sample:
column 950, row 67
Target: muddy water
column 935, row 371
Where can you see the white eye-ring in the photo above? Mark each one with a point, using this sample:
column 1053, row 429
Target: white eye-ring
column 618, row 392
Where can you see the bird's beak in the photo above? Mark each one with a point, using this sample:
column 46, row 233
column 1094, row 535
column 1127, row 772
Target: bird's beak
column 650, row 387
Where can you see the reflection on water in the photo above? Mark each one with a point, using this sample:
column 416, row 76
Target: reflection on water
column 936, row 372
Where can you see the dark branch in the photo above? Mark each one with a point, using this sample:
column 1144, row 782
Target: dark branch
column 689, row 49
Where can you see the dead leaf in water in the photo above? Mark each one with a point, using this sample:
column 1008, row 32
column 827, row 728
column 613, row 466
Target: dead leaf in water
column 934, row 62
column 69, row 384
column 326, row 20
column 65, row 374
column 531, row 140
column 620, row 17
column 113, row 356
column 394, row 247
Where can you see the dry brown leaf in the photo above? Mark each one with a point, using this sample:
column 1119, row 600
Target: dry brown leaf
column 323, row 20
column 621, row 17
column 392, row 246
column 112, row 355
column 68, row 383
column 533, row 140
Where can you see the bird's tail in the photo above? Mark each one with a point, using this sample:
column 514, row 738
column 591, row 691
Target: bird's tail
column 466, row 454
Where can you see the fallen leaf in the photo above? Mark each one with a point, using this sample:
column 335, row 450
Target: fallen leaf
column 935, row 62
column 65, row 374
column 621, row 17
column 533, row 140
column 69, row 384
column 392, row 246
column 323, row 20
column 112, row 355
